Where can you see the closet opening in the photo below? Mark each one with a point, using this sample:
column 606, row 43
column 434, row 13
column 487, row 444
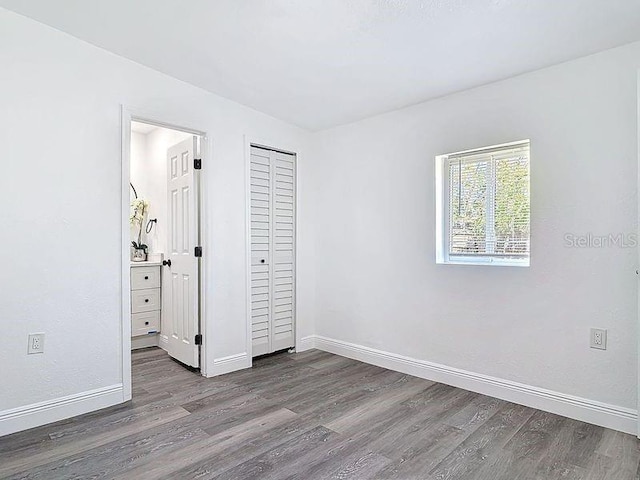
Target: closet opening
column 162, row 248
column 272, row 250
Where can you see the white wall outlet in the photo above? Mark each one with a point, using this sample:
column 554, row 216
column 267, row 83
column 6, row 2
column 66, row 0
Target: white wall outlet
column 36, row 343
column 599, row 338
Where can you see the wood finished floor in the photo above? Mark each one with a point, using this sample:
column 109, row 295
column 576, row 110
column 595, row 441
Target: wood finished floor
column 311, row 416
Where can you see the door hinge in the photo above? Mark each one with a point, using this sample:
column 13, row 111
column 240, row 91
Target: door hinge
column 197, row 164
column 198, row 251
column 198, row 339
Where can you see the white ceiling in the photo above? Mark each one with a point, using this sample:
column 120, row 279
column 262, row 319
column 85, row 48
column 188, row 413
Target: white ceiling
column 326, row 62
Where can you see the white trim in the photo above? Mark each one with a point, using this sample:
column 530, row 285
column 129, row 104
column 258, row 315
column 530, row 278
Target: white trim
column 482, row 150
column 442, row 214
column 591, row 411
column 229, row 364
column 306, row 343
column 206, row 154
column 638, row 250
column 249, row 141
column 247, row 239
column 49, row 411
column 481, row 260
column 145, row 341
column 125, row 265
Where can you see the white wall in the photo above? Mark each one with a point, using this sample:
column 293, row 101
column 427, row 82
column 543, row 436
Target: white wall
column 149, row 176
column 139, row 178
column 138, row 162
column 60, row 135
column 378, row 285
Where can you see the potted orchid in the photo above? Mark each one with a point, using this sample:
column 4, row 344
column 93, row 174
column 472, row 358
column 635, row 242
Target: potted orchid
column 139, row 208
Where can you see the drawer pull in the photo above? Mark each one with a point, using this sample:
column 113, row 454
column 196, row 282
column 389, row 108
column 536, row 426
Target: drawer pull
column 146, row 300
column 146, row 323
column 146, row 277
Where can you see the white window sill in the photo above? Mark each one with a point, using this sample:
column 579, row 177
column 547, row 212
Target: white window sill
column 488, row 262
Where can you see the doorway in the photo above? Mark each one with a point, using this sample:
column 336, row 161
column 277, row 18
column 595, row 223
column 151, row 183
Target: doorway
column 162, row 242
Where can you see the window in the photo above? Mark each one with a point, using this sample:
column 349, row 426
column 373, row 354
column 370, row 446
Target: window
column 483, row 206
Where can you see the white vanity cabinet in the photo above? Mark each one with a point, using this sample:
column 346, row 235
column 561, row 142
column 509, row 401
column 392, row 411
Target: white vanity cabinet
column 145, row 298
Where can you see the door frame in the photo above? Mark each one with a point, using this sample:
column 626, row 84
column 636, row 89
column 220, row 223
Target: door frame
column 637, row 271
column 129, row 114
column 252, row 141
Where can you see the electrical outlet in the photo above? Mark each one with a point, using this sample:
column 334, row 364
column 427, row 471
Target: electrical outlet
column 36, row 343
column 599, row 338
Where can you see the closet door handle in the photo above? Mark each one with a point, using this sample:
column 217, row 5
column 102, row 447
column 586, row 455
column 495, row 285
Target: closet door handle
column 167, row 262
column 262, row 260
column 146, row 277
column 146, row 300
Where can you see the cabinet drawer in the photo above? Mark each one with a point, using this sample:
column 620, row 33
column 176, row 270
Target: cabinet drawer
column 145, row 300
column 145, row 277
column 145, row 323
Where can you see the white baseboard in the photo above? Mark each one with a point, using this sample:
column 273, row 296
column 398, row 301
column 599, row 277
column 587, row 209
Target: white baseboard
column 591, row 411
column 306, row 343
column 229, row 364
column 144, row 341
column 42, row 413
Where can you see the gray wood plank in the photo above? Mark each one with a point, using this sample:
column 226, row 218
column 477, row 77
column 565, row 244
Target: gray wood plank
column 430, row 436
column 585, row 438
column 418, row 460
column 21, row 463
column 282, row 460
column 534, row 438
column 617, row 456
column 119, row 456
column 312, row 416
column 367, row 412
column 472, row 453
column 230, row 439
column 339, row 458
column 553, row 464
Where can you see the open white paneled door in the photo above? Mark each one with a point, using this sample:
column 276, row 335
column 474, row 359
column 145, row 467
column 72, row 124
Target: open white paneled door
column 180, row 282
column 273, row 200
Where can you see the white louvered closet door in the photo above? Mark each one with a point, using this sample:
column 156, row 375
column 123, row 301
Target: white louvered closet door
column 272, row 250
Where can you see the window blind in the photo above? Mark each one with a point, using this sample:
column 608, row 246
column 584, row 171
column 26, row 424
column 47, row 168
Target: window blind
column 489, row 202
